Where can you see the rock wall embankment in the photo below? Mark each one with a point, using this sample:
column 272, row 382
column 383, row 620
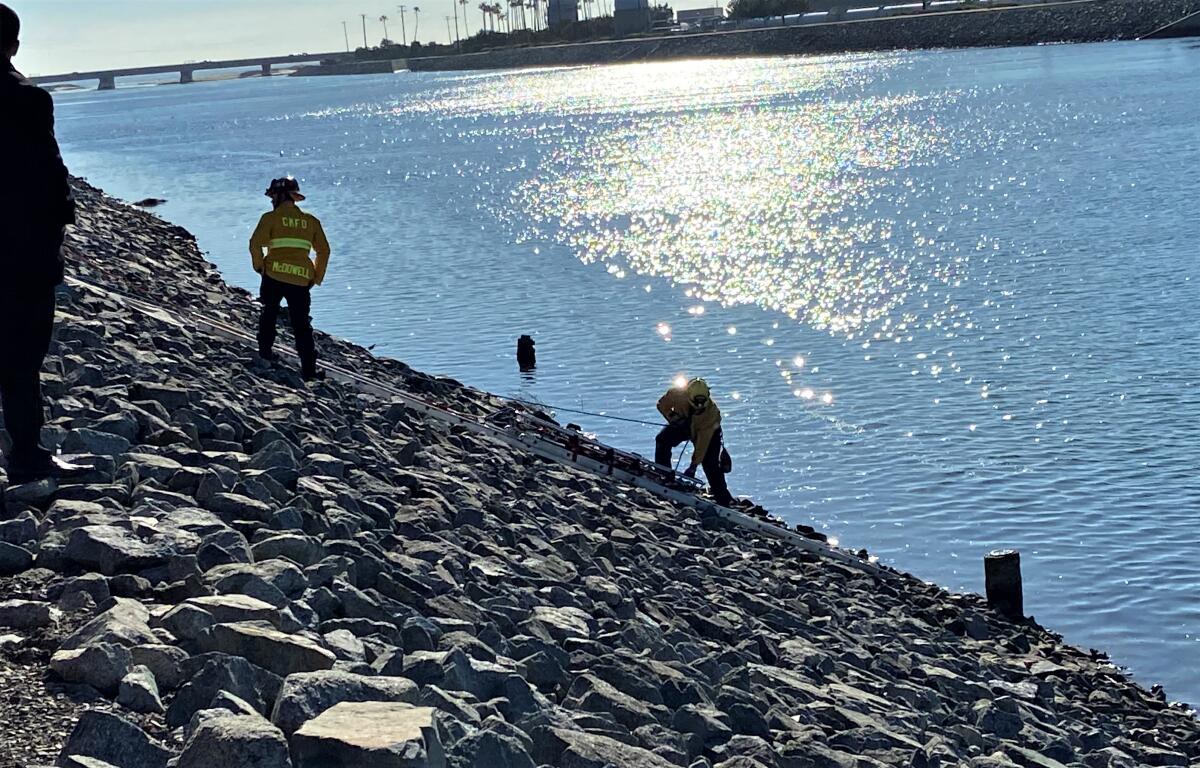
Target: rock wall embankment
column 260, row 572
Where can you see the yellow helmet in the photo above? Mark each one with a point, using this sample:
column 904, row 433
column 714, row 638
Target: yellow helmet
column 698, row 392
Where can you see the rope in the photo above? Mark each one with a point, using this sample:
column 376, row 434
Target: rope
column 680, row 461
column 578, row 412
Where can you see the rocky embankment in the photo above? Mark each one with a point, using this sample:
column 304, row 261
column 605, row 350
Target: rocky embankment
column 260, row 573
column 1077, row 21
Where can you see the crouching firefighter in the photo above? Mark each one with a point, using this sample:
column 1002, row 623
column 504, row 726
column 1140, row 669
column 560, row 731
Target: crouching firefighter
column 692, row 415
column 287, row 235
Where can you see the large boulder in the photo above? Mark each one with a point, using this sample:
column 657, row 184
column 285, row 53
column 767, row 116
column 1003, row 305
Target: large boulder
column 216, row 673
column 163, row 661
column 370, row 735
column 14, row 559
column 100, row 665
column 306, row 695
column 113, row 739
column 25, row 614
column 576, row 749
column 229, row 739
column 138, row 692
column 267, row 647
column 125, row 623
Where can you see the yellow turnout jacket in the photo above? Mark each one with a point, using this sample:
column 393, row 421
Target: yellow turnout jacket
column 675, row 406
column 288, row 234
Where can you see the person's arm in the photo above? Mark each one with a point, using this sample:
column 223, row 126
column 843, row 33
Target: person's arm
column 60, row 199
column 668, row 406
column 321, row 246
column 664, row 407
column 259, row 242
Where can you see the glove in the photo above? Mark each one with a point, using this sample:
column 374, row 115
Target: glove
column 690, row 471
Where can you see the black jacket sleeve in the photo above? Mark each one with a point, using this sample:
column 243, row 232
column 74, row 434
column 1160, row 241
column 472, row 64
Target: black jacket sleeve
column 35, row 198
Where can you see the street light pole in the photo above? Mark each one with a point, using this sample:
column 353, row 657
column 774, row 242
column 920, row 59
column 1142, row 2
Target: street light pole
column 403, row 34
column 346, row 34
column 364, row 19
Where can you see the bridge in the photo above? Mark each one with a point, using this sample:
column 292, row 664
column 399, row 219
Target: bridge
column 108, row 77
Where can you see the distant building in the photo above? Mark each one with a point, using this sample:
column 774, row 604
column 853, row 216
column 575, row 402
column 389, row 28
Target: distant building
column 695, row 17
column 631, row 17
column 560, row 12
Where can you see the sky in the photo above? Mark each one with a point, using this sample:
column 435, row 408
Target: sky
column 60, row 36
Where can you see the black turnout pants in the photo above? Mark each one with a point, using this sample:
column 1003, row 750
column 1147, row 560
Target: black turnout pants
column 26, row 325
column 678, row 432
column 299, row 301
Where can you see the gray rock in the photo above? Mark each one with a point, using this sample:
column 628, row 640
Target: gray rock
column 94, row 585
column 345, row 645
column 146, row 466
column 591, row 694
column 708, row 725
column 163, row 661
column 419, row 634
column 370, row 735
column 219, row 673
column 263, row 645
column 301, row 549
column 576, row 749
column 559, row 624
column 490, row 749
column 25, row 614
column 233, row 506
column 284, row 576
column 990, row 718
column 14, row 559
column 278, row 454
column 236, row 607
column 100, row 665
column 138, row 692
column 113, row 550
column 187, row 622
column 391, row 662
column 172, row 397
column 113, row 739
column 125, row 623
column 306, row 695
column 80, row 761
column 20, row 530
column 89, row 441
column 228, row 739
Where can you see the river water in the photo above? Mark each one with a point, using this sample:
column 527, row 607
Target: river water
column 945, row 299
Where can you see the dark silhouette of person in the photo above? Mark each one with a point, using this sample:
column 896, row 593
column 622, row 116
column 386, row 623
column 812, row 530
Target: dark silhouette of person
column 526, row 354
column 35, row 206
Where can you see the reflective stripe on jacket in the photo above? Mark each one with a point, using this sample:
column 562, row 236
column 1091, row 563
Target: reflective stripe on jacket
column 287, row 235
column 675, row 405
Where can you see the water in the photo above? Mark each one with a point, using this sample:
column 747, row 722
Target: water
column 945, row 299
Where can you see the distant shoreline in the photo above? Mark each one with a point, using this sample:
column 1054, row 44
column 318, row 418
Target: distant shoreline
column 1074, row 21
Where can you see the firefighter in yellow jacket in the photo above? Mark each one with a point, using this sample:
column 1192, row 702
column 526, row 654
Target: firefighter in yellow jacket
column 691, row 414
column 279, row 250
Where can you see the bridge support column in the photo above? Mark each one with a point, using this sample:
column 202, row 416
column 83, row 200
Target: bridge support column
column 185, row 76
column 266, row 69
column 107, row 83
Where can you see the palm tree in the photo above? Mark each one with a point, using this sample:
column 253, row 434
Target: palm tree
column 416, row 21
column 484, row 10
column 466, row 25
column 384, row 19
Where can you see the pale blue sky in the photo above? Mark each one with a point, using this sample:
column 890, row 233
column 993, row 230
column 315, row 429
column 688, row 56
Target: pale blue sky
column 76, row 35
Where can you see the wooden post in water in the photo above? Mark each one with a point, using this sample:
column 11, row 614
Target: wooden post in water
column 1002, row 577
